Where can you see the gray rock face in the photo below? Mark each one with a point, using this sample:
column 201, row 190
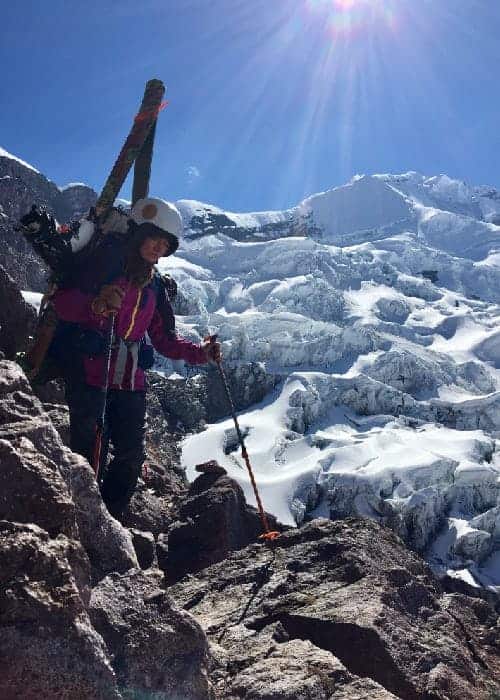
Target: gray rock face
column 74, row 202
column 144, row 545
column 299, row 669
column 207, row 222
column 189, row 403
column 213, row 521
column 352, row 589
column 17, row 318
column 48, row 648
column 33, row 490
column 35, row 456
column 18, row 258
column 59, row 416
column 20, row 187
column 157, row 650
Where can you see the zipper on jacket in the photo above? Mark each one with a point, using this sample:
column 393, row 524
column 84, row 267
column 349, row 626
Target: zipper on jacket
column 134, row 314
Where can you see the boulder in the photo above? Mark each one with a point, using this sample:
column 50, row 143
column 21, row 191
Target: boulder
column 351, row 589
column 144, row 545
column 48, row 648
column 37, row 456
column 32, row 489
column 157, row 650
column 213, row 521
column 59, row 416
column 299, row 669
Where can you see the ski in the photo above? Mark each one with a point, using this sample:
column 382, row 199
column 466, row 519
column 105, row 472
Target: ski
column 144, row 123
column 142, row 167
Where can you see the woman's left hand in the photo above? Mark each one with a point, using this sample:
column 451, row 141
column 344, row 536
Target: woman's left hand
column 212, row 349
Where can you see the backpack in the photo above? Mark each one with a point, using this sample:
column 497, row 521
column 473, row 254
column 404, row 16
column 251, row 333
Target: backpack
column 59, row 346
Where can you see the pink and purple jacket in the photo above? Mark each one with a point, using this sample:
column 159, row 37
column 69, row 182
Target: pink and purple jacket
column 138, row 315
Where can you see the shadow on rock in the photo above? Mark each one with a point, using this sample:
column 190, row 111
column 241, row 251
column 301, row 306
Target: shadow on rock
column 213, row 521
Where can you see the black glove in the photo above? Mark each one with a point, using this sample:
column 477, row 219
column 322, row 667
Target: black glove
column 38, row 222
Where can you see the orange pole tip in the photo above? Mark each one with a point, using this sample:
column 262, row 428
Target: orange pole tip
column 270, row 535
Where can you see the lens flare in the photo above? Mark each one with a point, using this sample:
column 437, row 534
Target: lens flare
column 346, row 18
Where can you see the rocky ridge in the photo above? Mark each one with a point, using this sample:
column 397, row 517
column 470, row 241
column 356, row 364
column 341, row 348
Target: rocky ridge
column 351, row 589
column 195, row 607
column 331, row 610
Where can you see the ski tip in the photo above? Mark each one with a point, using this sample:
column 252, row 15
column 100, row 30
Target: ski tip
column 155, row 83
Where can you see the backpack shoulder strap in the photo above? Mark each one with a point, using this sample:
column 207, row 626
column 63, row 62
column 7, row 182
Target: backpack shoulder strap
column 165, row 289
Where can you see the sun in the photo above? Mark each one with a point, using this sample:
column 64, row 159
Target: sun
column 346, row 4
column 348, row 17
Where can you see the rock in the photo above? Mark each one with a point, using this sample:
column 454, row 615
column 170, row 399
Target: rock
column 158, row 493
column 25, row 426
column 144, row 545
column 157, row 650
column 17, row 318
column 32, row 490
column 353, row 590
column 189, row 403
column 20, row 187
column 59, row 416
column 51, row 393
column 48, row 648
column 19, row 259
column 298, row 669
column 74, row 201
column 210, row 467
column 213, row 521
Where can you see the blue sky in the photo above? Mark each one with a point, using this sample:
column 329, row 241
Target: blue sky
column 269, row 100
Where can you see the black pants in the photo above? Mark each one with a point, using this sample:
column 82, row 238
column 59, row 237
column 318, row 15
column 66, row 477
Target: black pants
column 125, row 426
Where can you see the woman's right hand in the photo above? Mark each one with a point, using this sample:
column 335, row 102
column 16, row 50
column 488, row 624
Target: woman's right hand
column 109, row 300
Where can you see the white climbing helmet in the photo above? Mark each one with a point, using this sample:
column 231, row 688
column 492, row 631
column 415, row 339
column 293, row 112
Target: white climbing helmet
column 152, row 210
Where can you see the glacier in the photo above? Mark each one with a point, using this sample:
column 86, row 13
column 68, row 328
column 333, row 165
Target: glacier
column 377, row 305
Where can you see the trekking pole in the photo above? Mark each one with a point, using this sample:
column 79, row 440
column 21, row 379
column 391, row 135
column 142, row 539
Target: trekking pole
column 268, row 534
column 101, row 419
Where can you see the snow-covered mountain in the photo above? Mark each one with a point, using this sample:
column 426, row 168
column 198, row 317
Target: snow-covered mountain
column 377, row 303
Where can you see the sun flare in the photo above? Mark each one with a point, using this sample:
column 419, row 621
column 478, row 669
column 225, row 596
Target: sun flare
column 348, row 17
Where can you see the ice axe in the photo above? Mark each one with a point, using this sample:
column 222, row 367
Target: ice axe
column 267, row 534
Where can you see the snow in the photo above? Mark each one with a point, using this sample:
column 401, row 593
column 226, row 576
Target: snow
column 72, row 184
column 383, row 323
column 125, row 203
column 33, row 298
column 339, row 215
column 6, row 154
column 85, row 233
